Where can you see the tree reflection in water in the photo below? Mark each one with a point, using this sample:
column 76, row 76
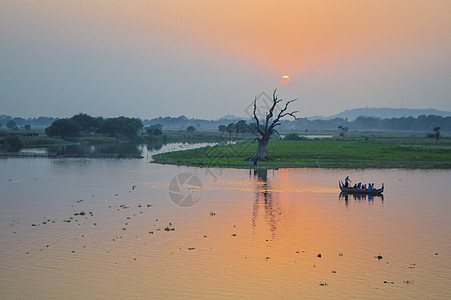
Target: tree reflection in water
column 265, row 199
column 359, row 197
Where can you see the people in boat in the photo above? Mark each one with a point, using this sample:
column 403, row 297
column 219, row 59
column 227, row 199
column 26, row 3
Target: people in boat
column 370, row 187
column 347, row 181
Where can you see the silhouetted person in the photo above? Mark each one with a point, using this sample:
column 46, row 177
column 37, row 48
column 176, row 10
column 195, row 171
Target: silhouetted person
column 347, row 181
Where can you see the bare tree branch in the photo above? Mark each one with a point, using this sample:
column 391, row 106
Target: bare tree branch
column 256, row 118
column 270, row 122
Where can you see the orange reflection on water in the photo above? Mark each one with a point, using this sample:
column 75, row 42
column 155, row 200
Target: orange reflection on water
column 262, row 240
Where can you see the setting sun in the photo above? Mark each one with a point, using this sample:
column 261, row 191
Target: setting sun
column 285, row 79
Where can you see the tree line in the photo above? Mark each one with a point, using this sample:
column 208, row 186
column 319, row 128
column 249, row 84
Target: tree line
column 240, row 127
column 421, row 123
column 83, row 125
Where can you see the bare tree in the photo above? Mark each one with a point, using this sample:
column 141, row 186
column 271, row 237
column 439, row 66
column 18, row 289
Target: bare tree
column 271, row 120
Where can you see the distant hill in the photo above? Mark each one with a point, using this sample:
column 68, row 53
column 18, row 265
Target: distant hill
column 384, row 113
column 229, row 117
column 34, row 122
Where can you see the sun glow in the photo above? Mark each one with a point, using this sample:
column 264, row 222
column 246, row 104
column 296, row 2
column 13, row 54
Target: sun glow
column 285, row 79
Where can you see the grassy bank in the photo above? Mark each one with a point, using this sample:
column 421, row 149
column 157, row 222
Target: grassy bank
column 327, row 153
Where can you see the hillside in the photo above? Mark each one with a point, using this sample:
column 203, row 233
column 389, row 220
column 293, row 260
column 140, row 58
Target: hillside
column 384, row 113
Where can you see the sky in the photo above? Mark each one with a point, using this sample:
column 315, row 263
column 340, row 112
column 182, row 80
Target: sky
column 206, row 59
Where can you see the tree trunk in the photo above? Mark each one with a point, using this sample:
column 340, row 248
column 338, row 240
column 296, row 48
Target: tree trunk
column 262, row 152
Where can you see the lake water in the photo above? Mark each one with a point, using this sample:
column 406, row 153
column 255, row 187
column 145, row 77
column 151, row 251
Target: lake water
column 250, row 235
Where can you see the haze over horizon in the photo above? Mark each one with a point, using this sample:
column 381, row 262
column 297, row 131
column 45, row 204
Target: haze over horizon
column 204, row 59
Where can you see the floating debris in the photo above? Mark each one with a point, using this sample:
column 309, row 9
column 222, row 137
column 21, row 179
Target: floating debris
column 319, row 255
column 379, row 257
column 212, row 213
column 409, row 281
column 233, row 234
column 323, row 283
column 334, row 272
column 191, row 248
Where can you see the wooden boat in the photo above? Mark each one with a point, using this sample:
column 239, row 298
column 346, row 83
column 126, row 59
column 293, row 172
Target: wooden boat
column 351, row 190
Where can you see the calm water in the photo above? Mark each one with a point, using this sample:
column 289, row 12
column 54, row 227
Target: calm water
column 251, row 235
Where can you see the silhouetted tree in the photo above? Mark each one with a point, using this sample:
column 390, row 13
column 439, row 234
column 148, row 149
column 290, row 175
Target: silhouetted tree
column 191, row 128
column 230, row 128
column 155, row 129
column 436, row 133
column 64, row 128
column 269, row 123
column 121, row 126
column 86, row 122
column 241, row 127
column 27, row 127
column 11, row 124
column 222, row 128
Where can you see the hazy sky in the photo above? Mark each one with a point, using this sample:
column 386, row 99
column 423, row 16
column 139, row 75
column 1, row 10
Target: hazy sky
column 208, row 58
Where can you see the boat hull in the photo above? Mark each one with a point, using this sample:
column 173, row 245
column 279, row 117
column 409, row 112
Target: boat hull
column 362, row 192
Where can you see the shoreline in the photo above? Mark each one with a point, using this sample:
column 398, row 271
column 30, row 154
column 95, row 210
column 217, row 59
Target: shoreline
column 314, row 166
column 331, row 154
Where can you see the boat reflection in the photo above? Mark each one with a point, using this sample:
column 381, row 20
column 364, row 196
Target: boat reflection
column 266, row 202
column 359, row 197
